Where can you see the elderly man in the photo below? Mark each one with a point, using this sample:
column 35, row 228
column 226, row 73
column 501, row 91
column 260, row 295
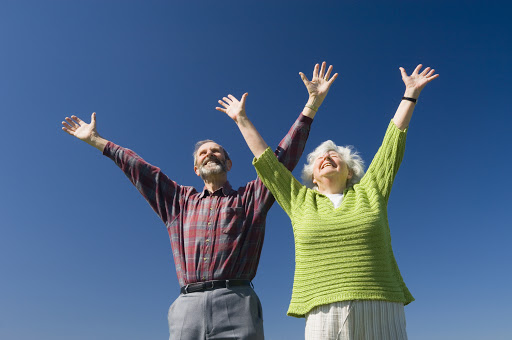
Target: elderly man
column 216, row 234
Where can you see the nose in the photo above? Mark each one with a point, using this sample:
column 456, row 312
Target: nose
column 326, row 155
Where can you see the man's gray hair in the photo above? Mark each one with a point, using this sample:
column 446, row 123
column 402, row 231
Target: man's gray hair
column 354, row 163
column 202, row 142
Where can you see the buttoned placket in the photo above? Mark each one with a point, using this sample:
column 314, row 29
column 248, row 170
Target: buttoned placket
column 207, row 244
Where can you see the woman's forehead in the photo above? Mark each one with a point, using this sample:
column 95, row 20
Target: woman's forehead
column 330, row 152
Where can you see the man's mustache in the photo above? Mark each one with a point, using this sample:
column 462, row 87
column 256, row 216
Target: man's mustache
column 210, row 159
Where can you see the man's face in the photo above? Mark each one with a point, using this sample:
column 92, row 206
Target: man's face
column 210, row 160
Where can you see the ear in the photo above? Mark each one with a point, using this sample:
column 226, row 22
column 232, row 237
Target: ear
column 196, row 170
column 350, row 174
column 229, row 164
column 314, row 180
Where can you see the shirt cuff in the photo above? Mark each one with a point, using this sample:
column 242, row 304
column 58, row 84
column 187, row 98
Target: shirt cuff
column 109, row 149
column 305, row 120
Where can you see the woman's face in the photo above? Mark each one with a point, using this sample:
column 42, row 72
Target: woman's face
column 330, row 164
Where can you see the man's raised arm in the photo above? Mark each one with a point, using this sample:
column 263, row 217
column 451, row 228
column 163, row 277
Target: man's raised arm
column 161, row 192
column 317, row 88
column 86, row 132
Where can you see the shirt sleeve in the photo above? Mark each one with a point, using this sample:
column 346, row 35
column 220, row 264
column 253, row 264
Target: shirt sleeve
column 287, row 190
column 288, row 153
column 384, row 167
column 161, row 193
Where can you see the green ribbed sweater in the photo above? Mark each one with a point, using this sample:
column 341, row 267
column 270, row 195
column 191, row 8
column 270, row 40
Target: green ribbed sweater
column 345, row 253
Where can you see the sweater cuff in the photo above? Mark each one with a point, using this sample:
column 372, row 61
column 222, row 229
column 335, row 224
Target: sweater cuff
column 264, row 159
column 394, row 127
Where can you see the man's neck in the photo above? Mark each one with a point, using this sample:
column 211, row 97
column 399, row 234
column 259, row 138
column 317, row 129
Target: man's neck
column 214, row 183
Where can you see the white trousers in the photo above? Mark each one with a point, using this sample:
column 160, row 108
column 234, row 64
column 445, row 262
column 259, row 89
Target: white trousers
column 357, row 320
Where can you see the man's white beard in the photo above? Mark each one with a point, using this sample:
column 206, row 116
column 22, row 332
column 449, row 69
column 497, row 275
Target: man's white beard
column 207, row 170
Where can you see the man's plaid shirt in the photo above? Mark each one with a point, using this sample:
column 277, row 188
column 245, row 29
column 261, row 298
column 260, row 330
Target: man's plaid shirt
column 214, row 236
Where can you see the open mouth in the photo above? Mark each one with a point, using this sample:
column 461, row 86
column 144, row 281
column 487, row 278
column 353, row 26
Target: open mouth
column 211, row 162
column 326, row 165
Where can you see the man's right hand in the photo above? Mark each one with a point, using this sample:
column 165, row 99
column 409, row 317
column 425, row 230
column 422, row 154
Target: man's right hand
column 83, row 131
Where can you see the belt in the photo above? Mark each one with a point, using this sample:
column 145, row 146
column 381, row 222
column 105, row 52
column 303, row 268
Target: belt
column 210, row 285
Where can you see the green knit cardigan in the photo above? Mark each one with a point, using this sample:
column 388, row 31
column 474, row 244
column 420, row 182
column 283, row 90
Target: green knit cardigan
column 345, row 253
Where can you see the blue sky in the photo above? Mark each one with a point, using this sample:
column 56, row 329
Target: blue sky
column 82, row 256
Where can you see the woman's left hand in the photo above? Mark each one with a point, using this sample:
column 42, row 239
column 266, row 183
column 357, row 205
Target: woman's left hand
column 417, row 81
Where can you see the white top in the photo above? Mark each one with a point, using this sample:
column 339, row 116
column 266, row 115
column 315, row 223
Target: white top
column 335, row 199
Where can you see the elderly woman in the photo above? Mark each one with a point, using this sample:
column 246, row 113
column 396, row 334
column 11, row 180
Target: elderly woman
column 347, row 283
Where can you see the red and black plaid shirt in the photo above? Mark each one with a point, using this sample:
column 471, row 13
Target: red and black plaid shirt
column 214, row 236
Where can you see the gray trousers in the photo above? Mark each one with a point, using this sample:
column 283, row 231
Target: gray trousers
column 225, row 313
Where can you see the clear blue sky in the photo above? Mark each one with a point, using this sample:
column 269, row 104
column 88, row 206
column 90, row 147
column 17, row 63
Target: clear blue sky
column 83, row 256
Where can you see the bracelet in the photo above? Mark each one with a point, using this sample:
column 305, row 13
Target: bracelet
column 410, row 99
column 312, row 107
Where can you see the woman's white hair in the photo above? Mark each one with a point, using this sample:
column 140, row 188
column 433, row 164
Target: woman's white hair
column 351, row 157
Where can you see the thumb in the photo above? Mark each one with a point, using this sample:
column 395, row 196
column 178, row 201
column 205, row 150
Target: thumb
column 93, row 119
column 244, row 97
column 304, row 78
column 402, row 71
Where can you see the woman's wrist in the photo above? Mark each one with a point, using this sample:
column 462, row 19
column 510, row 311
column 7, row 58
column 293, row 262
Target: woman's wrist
column 412, row 93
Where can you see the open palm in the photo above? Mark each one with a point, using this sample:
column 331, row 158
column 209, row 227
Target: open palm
column 319, row 85
column 417, row 81
column 80, row 129
column 233, row 107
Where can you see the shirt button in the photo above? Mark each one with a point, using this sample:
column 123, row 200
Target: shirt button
column 205, row 259
column 207, row 240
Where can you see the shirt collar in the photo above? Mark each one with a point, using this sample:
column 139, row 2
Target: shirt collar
column 225, row 190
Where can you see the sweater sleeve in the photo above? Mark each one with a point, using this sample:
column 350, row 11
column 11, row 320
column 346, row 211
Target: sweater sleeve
column 384, row 167
column 288, row 152
column 160, row 192
column 288, row 192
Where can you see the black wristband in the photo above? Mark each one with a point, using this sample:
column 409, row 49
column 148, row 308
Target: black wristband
column 409, row 99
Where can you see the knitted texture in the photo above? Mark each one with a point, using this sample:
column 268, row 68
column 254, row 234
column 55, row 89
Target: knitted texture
column 345, row 253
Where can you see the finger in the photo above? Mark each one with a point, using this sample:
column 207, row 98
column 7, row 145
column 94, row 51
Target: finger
column 333, row 79
column 68, row 127
column 417, row 69
column 227, row 100
column 72, row 123
column 329, row 70
column 404, row 74
column 233, row 98
column 430, row 73
column 93, row 118
column 221, row 109
column 244, row 97
column 78, row 120
column 223, row 104
column 425, row 71
column 433, row 77
column 322, row 70
column 68, row 131
column 315, row 71
column 304, row 78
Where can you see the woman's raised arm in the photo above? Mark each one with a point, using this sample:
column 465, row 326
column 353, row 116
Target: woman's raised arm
column 414, row 84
